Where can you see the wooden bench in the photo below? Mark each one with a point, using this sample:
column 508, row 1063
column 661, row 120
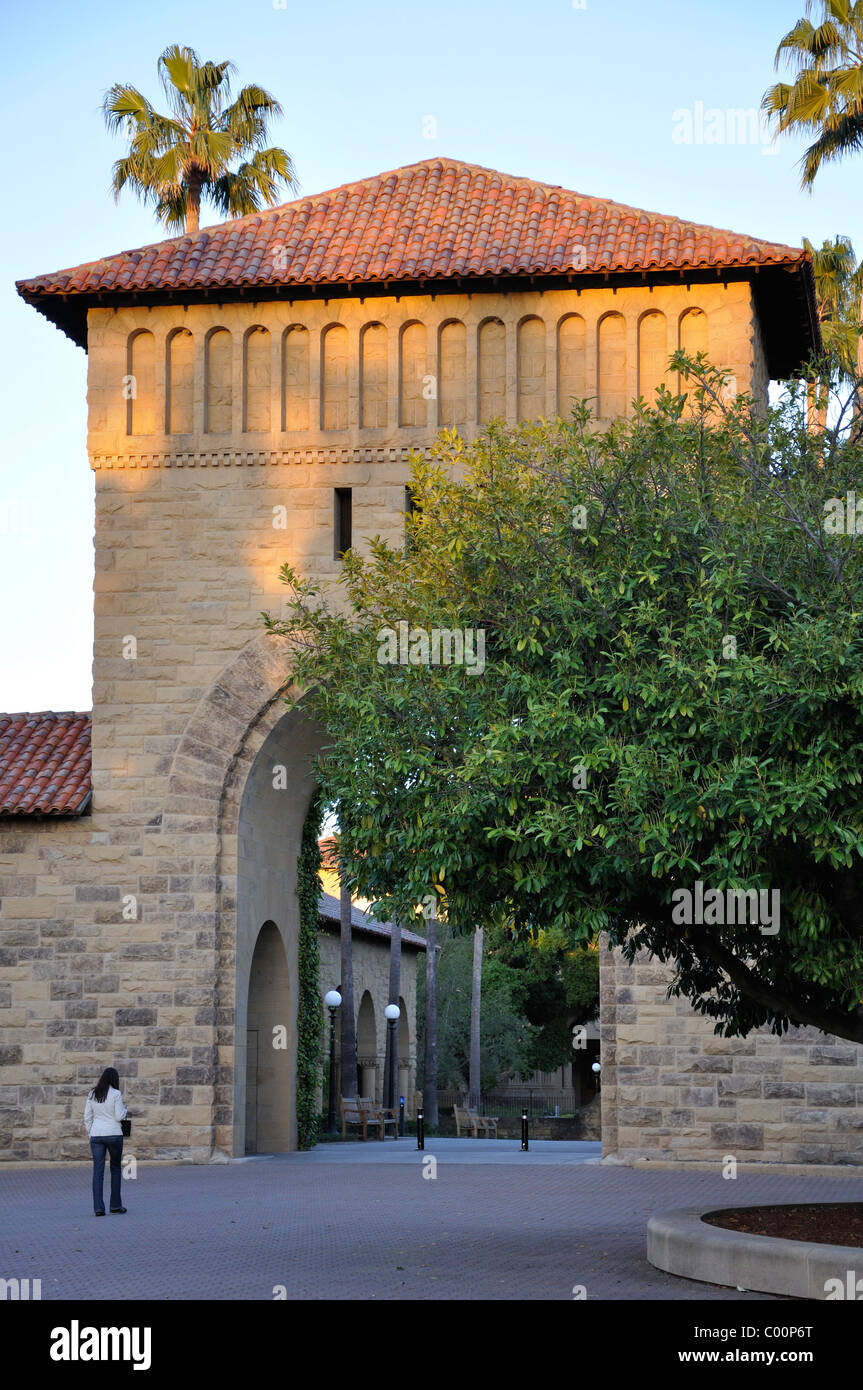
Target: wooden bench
column 362, row 1111
column 477, row 1126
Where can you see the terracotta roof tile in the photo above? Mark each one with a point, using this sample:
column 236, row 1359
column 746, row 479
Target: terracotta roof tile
column 436, row 219
column 44, row 764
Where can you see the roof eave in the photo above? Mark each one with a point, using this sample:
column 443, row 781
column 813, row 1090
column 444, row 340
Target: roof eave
column 68, row 312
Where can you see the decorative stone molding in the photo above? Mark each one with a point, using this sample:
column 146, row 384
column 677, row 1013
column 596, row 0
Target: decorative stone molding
column 251, row 458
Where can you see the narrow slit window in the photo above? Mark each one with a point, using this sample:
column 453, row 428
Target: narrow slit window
column 343, row 519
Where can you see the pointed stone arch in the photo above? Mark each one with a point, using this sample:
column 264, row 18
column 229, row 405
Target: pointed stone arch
column 242, row 728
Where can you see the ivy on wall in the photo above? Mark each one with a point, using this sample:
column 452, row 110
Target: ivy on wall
column 309, row 1008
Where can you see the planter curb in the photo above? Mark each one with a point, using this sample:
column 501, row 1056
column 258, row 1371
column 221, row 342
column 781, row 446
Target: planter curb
column 680, row 1242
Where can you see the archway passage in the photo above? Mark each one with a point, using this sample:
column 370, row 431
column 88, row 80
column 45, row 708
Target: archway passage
column 275, row 800
column 269, row 1056
column 367, row 1048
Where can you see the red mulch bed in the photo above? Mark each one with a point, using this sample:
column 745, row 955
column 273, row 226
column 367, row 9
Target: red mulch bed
column 827, row 1223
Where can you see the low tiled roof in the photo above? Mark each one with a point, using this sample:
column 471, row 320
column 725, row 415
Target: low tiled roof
column 44, row 764
column 439, row 219
column 328, row 907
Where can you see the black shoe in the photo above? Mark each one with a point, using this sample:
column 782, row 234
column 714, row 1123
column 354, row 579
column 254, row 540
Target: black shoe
column 98, row 1213
column 117, row 1211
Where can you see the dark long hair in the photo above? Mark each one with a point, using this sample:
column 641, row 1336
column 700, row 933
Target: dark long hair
column 108, row 1078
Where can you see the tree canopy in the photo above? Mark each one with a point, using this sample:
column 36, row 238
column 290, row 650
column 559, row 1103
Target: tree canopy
column 669, row 696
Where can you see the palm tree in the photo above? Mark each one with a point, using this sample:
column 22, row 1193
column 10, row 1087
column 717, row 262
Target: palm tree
column 838, row 290
column 825, row 99
column 474, row 1081
column 348, row 1033
column 430, row 1110
column 174, row 161
column 391, row 1063
column 838, row 287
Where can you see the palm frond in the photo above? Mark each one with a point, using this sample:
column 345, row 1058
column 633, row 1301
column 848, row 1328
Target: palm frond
column 797, row 40
column 254, row 184
column 123, row 104
column 838, row 138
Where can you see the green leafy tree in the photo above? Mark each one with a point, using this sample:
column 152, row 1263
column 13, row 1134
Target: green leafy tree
column 506, row 1033
column 670, row 695
column 558, row 987
column 209, row 146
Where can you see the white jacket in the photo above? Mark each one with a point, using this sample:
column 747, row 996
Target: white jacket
column 103, row 1117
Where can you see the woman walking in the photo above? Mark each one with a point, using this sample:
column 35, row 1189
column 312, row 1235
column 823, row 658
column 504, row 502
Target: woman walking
column 102, row 1115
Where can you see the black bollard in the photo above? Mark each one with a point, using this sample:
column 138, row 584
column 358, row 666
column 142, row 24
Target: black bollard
column 421, row 1130
column 401, row 1117
column 524, row 1137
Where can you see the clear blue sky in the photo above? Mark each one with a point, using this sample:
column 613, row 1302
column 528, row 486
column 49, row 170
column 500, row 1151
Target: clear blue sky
column 583, row 97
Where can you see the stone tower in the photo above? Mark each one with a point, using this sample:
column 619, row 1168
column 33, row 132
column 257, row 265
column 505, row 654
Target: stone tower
column 255, row 390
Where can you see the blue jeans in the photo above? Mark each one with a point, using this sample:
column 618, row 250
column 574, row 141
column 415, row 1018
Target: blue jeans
column 114, row 1145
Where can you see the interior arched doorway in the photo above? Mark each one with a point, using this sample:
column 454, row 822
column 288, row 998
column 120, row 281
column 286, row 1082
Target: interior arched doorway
column 270, row 1096
column 367, row 1048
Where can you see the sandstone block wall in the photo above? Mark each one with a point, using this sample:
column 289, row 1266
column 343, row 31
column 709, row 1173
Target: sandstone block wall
column 672, row 1089
column 125, row 936
column 379, row 375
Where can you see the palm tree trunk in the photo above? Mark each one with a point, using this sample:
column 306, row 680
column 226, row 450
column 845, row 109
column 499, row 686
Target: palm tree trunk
column 858, row 385
column 818, row 394
column 474, row 1079
column 193, row 202
column 430, row 1070
column 395, row 988
column 348, row 1034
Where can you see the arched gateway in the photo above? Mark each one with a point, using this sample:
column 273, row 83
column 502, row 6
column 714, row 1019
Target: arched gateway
column 246, row 757
column 254, row 393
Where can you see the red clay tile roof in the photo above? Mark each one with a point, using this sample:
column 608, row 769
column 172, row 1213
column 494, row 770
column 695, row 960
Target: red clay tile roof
column 44, row 764
column 438, row 219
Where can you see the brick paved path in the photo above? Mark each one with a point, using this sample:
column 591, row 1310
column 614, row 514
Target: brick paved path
column 361, row 1222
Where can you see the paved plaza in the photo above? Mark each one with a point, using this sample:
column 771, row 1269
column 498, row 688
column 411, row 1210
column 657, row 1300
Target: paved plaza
column 360, row 1221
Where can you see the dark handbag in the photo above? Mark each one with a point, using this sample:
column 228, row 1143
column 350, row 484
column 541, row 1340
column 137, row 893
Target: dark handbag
column 126, row 1126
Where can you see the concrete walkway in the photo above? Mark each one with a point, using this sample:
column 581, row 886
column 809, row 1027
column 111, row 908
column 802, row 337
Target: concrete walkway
column 362, row 1221
column 558, row 1153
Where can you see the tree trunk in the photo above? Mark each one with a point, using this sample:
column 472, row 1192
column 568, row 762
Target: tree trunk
column 194, row 186
column 474, row 1080
column 430, row 1073
column 858, row 384
column 395, row 988
column 348, row 1034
